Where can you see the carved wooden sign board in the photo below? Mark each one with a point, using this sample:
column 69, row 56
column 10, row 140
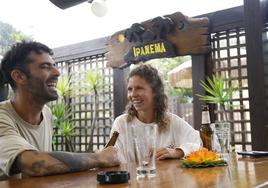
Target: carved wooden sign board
column 168, row 36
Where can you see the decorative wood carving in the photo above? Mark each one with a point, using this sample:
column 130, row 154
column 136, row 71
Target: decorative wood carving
column 168, row 36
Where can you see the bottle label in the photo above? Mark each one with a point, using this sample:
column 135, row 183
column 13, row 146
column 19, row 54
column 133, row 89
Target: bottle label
column 205, row 117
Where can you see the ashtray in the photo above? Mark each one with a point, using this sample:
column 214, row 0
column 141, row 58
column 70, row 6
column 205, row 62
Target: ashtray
column 113, row 177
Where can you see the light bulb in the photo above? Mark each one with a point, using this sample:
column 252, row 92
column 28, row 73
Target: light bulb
column 99, row 8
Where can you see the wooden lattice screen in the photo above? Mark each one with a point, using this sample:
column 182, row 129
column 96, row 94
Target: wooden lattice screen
column 82, row 105
column 229, row 57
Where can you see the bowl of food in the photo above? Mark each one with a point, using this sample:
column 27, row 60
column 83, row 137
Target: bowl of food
column 202, row 158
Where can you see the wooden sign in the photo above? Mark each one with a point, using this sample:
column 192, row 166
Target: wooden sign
column 167, row 36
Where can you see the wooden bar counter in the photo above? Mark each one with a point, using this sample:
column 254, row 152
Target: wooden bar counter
column 241, row 172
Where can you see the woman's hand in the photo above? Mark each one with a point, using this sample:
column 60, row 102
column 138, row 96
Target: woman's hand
column 169, row 153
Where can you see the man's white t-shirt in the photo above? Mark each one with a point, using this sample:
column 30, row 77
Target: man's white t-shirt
column 16, row 136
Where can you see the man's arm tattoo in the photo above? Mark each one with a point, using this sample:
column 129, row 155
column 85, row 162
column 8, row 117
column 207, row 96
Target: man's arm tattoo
column 53, row 163
column 76, row 161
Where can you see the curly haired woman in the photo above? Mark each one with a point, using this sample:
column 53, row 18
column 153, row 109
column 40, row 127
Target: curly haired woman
column 148, row 105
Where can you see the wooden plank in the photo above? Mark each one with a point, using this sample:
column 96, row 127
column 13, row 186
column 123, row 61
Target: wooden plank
column 80, row 50
column 254, row 17
column 189, row 36
column 225, row 19
column 240, row 172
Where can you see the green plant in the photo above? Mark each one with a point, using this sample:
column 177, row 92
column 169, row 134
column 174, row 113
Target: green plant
column 165, row 65
column 217, row 93
column 63, row 124
column 62, row 116
column 185, row 94
column 92, row 83
column 67, row 128
column 64, row 87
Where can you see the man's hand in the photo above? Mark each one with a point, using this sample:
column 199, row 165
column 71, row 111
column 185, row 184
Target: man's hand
column 108, row 157
column 168, row 153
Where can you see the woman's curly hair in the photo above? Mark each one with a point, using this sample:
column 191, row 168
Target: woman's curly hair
column 151, row 76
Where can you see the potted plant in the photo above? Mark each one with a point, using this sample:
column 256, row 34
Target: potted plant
column 217, row 94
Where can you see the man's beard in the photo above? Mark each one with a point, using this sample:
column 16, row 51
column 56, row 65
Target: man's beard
column 41, row 92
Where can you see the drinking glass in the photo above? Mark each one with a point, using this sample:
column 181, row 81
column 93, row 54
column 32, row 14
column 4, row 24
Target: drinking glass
column 144, row 139
column 221, row 139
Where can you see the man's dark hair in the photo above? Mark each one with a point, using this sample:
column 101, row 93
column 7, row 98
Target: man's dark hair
column 17, row 58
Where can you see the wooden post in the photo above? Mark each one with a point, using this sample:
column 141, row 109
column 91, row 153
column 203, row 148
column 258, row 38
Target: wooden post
column 254, row 19
column 120, row 91
column 199, row 73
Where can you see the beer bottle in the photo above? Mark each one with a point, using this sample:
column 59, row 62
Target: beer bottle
column 112, row 139
column 205, row 130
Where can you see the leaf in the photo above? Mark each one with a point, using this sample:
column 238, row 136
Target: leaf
column 203, row 164
column 216, row 92
column 92, row 82
column 67, row 128
column 62, row 119
column 64, row 86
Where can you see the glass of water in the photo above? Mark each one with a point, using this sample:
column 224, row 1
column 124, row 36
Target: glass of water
column 221, row 140
column 144, row 140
